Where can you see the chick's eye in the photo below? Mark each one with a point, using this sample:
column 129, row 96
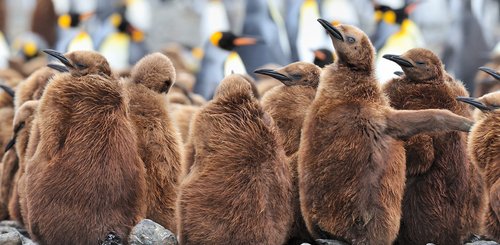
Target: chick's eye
column 420, row 63
column 80, row 66
column 351, row 39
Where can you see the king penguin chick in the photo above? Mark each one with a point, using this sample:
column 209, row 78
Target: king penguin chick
column 483, row 146
column 238, row 190
column 31, row 89
column 86, row 166
column 443, row 189
column 22, row 129
column 6, row 115
column 483, row 82
column 351, row 157
column 159, row 143
column 287, row 105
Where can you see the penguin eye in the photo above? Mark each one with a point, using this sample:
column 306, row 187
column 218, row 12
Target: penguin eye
column 296, row 76
column 80, row 66
column 351, row 39
column 420, row 63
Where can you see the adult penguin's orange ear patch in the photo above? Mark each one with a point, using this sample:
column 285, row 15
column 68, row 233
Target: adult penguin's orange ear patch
column 215, row 38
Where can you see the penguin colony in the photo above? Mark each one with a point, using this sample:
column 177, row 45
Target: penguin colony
column 326, row 153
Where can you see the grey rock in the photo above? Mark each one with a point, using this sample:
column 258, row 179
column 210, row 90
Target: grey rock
column 11, row 223
column 329, row 242
column 148, row 232
column 482, row 243
column 27, row 241
column 7, row 229
column 10, row 238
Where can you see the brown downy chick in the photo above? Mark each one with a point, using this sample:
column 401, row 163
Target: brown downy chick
column 86, row 166
column 23, row 121
column 484, row 150
column 8, row 156
column 10, row 165
column 159, row 143
column 239, row 188
column 443, row 189
column 287, row 105
column 483, row 82
column 351, row 156
column 32, row 87
column 182, row 116
column 6, row 116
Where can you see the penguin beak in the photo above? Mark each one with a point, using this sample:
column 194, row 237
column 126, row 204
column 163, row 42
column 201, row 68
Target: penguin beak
column 332, row 31
column 399, row 73
column 398, row 59
column 11, row 144
column 245, row 41
column 474, row 102
column 8, row 90
column 490, row 71
column 58, row 56
column 58, row 68
column 276, row 75
column 319, row 55
column 12, row 141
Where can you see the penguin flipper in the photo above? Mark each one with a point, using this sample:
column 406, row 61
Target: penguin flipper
column 403, row 124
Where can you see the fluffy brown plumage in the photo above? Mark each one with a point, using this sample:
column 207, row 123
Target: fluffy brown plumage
column 32, row 87
column 238, row 190
column 182, row 116
column 23, row 121
column 483, row 82
column 287, row 105
column 10, row 165
column 351, row 158
column 29, row 89
column 159, row 143
column 6, row 113
column 443, row 189
column 484, row 150
column 86, row 166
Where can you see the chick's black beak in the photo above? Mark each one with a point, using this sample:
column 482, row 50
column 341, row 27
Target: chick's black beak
column 399, row 73
column 474, row 102
column 58, row 68
column 12, row 141
column 334, row 32
column 490, row 71
column 58, row 56
column 8, row 90
column 276, row 75
column 398, row 59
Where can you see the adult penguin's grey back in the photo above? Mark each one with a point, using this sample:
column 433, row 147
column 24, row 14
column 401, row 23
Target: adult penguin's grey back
column 259, row 23
column 211, row 70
